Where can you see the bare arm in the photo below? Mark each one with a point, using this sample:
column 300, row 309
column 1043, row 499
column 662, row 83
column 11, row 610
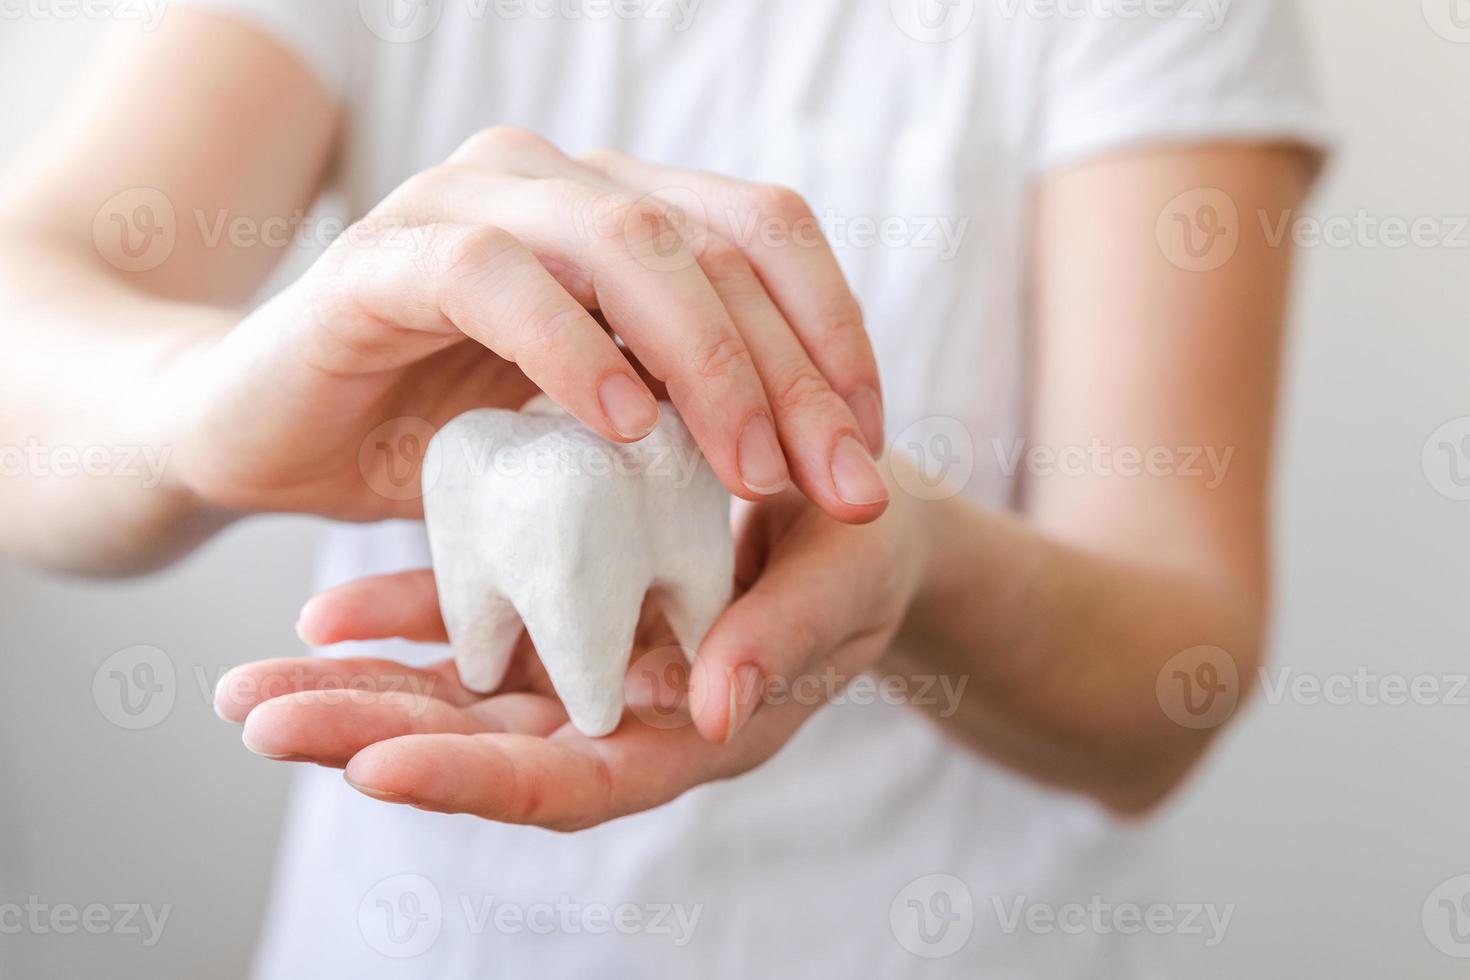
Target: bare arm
column 472, row 284
column 95, row 349
column 1053, row 626
column 1063, row 618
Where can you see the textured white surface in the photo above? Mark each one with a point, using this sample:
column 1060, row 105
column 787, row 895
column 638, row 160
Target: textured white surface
column 534, row 519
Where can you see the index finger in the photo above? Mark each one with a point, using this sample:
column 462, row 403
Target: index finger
column 797, row 266
column 565, row 782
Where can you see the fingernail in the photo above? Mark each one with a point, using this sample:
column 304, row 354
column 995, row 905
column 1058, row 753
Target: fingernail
column 629, row 408
column 377, row 794
column 288, row 757
column 762, row 464
column 219, row 702
column 856, row 477
column 867, row 408
column 745, row 696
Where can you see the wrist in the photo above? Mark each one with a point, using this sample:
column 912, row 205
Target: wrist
column 174, row 416
column 920, row 523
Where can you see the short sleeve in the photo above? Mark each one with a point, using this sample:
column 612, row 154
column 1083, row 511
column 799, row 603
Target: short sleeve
column 1137, row 72
column 318, row 32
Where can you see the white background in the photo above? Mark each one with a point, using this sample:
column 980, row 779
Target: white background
column 1326, row 826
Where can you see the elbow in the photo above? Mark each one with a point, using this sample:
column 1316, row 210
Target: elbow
column 1195, row 704
column 1142, row 795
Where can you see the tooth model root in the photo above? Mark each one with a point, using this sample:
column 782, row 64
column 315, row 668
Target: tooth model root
column 535, row 520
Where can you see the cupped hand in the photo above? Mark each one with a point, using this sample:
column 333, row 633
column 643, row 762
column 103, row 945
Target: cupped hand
column 513, row 268
column 818, row 602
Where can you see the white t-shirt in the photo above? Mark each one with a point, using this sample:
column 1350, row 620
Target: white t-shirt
column 915, row 128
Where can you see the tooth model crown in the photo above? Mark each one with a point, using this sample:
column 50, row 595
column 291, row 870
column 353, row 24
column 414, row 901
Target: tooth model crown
column 534, row 519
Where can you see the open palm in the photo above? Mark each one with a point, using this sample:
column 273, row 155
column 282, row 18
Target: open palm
column 814, row 596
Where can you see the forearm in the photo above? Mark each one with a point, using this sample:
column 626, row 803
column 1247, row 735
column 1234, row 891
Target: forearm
column 1062, row 650
column 89, row 418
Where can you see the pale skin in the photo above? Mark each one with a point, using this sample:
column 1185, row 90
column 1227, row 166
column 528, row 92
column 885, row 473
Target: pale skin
column 1058, row 617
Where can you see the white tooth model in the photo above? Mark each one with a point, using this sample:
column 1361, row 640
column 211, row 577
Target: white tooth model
column 534, row 518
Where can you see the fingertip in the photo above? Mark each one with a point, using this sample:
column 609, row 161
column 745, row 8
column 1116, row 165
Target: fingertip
column 746, row 694
column 726, row 688
column 313, row 623
column 855, row 476
column 628, row 406
column 854, row 514
column 228, row 708
column 708, row 700
column 259, row 738
column 373, row 792
column 370, row 773
column 760, row 457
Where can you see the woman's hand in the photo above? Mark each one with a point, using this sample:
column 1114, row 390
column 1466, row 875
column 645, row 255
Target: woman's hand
column 508, row 269
column 818, row 602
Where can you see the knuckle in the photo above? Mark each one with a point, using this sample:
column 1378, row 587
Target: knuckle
column 839, row 323
column 453, row 259
column 525, row 795
column 623, row 218
column 419, row 190
column 371, row 231
column 546, row 333
column 465, row 253
column 723, row 263
column 499, row 142
column 603, row 157
column 721, row 359
column 801, row 390
column 780, row 202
